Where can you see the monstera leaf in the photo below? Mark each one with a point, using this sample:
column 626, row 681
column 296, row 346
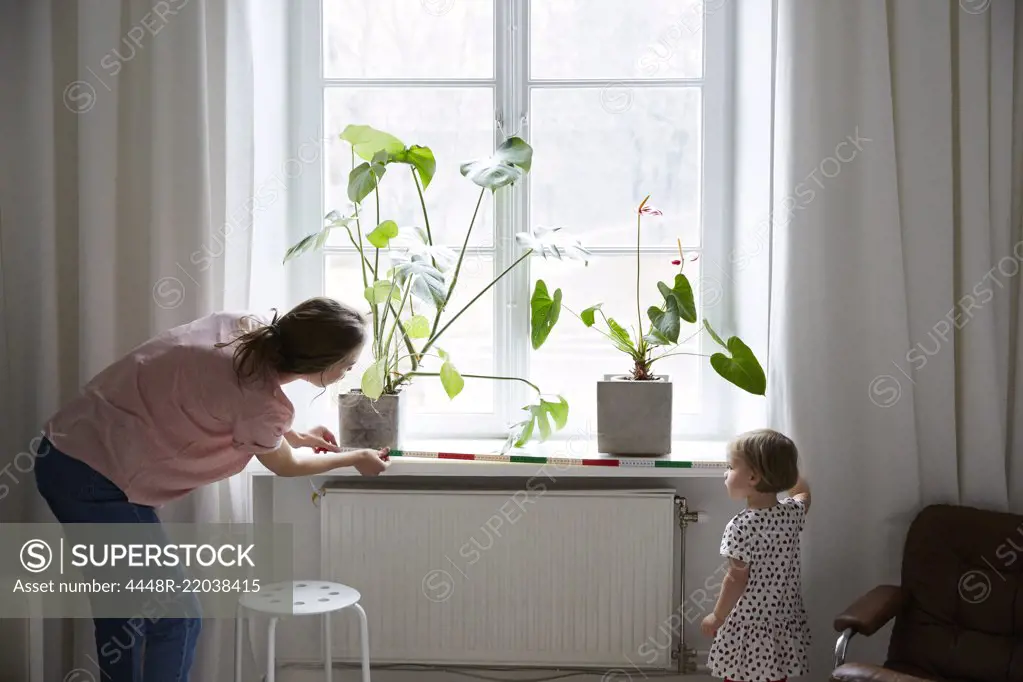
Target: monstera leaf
column 553, row 242
column 539, row 418
column 367, row 141
column 421, row 158
column 427, row 281
column 382, row 234
column 510, row 162
column 364, row 179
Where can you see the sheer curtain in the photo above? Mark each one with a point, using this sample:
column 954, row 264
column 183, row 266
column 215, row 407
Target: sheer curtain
column 132, row 199
column 895, row 306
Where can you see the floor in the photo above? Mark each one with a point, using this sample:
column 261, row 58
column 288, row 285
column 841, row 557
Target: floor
column 286, row 675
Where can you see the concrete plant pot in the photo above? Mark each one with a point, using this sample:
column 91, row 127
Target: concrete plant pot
column 366, row 423
column 634, row 417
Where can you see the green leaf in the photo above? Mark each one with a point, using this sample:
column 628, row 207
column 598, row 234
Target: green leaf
column 540, row 418
column 559, row 411
column 417, row 327
column 742, row 368
column 714, row 334
column 383, row 233
column 666, row 321
column 373, row 379
column 363, row 179
column 421, row 158
column 427, row 281
column 526, row 434
column 451, row 379
column 511, row 161
column 588, row 316
column 656, row 338
column 381, row 290
column 367, row 141
column 682, row 292
column 621, row 337
column 306, row 243
column 544, row 313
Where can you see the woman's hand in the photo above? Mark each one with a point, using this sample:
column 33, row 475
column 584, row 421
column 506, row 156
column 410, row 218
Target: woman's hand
column 709, row 626
column 372, row 462
column 319, row 438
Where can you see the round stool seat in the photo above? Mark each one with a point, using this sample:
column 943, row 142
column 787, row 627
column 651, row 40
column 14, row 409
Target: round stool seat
column 301, row 598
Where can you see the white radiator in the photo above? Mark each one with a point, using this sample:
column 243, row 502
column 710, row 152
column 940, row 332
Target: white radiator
column 505, row 577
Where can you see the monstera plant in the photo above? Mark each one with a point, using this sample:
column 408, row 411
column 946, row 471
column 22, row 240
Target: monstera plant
column 634, row 410
column 410, row 302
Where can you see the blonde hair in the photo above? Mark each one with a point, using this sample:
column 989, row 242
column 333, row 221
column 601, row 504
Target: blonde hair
column 770, row 455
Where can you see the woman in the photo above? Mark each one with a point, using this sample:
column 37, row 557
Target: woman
column 185, row 409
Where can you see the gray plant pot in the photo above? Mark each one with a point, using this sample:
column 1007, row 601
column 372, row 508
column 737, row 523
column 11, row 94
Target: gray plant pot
column 634, row 417
column 366, row 423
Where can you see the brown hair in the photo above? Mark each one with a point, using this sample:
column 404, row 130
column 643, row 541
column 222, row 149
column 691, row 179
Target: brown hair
column 772, row 456
column 308, row 339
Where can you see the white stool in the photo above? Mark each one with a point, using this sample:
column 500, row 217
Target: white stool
column 300, row 598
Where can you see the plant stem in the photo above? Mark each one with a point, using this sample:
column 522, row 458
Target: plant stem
column 479, row 376
column 458, row 266
column 401, row 307
column 595, row 327
column 433, row 337
column 669, row 355
column 639, row 310
column 426, row 218
column 401, row 327
column 377, row 332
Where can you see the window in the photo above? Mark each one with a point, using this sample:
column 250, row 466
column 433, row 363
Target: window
column 618, row 98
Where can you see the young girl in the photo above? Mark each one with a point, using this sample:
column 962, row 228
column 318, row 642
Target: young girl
column 759, row 625
column 185, row 409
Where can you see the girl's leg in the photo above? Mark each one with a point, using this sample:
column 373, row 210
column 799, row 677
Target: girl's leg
column 76, row 493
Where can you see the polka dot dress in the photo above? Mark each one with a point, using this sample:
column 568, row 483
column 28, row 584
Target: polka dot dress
column 766, row 636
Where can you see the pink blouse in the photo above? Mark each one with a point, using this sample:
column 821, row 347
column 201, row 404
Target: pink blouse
column 171, row 416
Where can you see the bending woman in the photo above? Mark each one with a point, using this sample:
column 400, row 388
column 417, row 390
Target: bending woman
column 185, row 409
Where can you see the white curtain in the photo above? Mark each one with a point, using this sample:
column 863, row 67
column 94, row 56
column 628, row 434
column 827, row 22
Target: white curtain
column 126, row 207
column 895, row 312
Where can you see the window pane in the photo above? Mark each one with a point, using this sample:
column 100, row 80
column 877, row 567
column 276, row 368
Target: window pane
column 455, row 123
column 469, row 341
column 408, row 38
column 616, row 39
column 575, row 357
column 591, row 167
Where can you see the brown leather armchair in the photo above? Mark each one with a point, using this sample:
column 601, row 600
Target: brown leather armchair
column 959, row 611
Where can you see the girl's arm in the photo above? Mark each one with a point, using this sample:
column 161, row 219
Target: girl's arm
column 801, row 492
column 284, row 462
column 732, row 588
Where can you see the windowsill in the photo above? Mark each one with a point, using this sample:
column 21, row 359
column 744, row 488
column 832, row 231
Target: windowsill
column 688, row 459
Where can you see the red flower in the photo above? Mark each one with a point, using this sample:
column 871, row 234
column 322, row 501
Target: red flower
column 676, row 262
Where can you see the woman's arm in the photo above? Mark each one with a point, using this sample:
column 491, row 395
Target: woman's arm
column 284, row 462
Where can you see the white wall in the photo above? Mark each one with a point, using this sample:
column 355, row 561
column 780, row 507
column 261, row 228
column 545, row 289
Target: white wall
column 299, row 639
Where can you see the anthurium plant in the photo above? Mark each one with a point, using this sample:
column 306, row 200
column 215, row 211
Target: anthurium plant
column 660, row 337
column 409, row 303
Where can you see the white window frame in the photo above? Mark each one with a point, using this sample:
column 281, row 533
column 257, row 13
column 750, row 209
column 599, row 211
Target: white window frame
column 511, row 84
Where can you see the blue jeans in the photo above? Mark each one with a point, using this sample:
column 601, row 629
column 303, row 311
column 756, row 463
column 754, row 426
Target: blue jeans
column 129, row 649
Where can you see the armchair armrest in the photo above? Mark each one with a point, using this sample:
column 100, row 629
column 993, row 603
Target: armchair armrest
column 859, row 672
column 869, row 613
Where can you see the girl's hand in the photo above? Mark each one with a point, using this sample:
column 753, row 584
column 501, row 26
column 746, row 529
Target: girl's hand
column 710, row 625
column 372, row 462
